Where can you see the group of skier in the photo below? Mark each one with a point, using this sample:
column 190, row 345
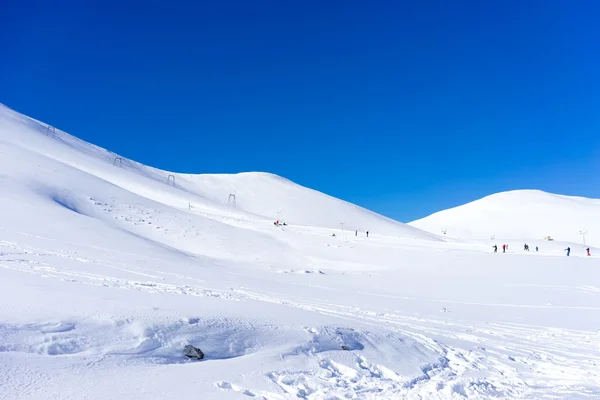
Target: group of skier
column 568, row 250
column 526, row 248
column 495, row 247
column 504, row 248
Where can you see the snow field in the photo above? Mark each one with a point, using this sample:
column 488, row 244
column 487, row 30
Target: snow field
column 106, row 273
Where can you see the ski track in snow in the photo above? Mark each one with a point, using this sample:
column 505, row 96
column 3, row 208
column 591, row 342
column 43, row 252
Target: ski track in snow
column 513, row 370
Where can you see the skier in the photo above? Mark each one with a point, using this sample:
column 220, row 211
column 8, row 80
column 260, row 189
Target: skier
column 504, row 248
column 355, row 233
column 568, row 250
column 495, row 248
column 367, row 233
column 525, row 247
column 588, row 251
column 536, row 248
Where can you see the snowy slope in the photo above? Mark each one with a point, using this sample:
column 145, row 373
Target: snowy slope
column 520, row 214
column 106, row 273
column 260, row 195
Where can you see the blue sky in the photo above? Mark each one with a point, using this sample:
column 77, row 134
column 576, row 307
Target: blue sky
column 402, row 107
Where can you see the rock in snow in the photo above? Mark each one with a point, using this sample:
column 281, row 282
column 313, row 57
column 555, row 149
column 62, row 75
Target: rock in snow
column 193, row 352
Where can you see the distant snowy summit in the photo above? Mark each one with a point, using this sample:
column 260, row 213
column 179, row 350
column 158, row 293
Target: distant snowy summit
column 251, row 195
column 520, row 214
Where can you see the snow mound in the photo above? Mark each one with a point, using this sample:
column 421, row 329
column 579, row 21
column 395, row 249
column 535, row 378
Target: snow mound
column 519, row 214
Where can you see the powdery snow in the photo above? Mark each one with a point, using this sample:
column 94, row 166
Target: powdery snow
column 106, row 273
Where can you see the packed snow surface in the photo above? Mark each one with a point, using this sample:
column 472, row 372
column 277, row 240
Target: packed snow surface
column 108, row 268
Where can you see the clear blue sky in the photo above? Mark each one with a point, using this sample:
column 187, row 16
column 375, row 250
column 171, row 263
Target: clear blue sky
column 404, row 107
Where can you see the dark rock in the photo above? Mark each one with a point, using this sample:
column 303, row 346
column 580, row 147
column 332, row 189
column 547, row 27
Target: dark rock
column 193, row 352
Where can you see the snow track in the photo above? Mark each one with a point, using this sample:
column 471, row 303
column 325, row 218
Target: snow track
column 517, row 360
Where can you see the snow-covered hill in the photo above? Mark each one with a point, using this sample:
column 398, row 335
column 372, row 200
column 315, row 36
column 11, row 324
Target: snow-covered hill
column 107, row 272
column 257, row 195
column 522, row 215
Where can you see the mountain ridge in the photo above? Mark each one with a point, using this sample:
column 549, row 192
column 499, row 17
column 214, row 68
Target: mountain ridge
column 257, row 194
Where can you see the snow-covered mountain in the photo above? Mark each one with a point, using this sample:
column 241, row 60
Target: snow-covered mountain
column 257, row 195
column 522, row 215
column 108, row 268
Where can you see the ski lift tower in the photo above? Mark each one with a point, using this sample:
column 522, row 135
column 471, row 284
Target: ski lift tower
column 171, row 180
column 583, row 233
column 231, row 201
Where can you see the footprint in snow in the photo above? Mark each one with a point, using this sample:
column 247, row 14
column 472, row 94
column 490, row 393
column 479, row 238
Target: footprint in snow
column 230, row 386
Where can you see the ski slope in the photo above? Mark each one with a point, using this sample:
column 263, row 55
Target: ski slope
column 107, row 272
column 258, row 195
column 521, row 215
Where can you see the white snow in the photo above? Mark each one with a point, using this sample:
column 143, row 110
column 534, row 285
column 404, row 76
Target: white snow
column 521, row 215
column 107, row 272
